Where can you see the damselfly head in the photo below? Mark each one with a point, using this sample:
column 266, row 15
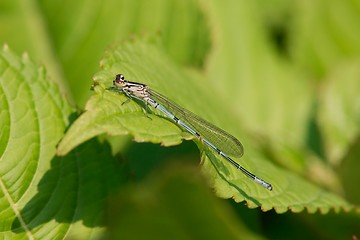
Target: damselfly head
column 119, row 80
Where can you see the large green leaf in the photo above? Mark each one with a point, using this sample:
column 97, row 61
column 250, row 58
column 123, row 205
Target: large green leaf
column 339, row 110
column 33, row 118
column 270, row 97
column 106, row 113
column 331, row 37
column 69, row 36
column 161, row 208
column 43, row 196
column 23, row 27
column 81, row 30
column 263, row 99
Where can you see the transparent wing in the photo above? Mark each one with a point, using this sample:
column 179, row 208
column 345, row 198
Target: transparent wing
column 227, row 143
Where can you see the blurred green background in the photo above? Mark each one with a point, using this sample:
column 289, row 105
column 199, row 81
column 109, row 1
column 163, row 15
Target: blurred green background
column 294, row 62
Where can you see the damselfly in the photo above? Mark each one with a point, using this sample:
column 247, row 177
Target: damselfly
column 217, row 139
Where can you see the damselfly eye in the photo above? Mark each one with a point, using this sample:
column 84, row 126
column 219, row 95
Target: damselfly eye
column 119, row 78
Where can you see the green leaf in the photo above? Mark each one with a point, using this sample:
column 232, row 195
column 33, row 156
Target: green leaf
column 161, row 208
column 331, row 38
column 81, row 30
column 267, row 94
column 42, row 195
column 69, row 37
column 33, row 114
column 142, row 60
column 339, row 110
column 265, row 76
column 349, row 172
column 332, row 226
column 24, row 28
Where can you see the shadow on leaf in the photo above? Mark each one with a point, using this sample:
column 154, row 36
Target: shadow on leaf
column 75, row 188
